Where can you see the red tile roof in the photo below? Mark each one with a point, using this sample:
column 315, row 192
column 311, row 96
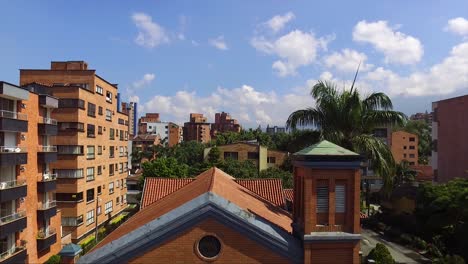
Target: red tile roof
column 215, row 181
column 289, row 194
column 270, row 189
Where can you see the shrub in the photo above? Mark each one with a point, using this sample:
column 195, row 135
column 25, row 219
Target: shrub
column 54, row 259
column 419, row 243
column 381, row 255
column 448, row 259
column 406, row 239
column 381, row 226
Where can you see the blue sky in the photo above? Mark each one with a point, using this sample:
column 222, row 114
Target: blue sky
column 254, row 59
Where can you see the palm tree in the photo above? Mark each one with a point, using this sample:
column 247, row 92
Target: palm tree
column 348, row 119
column 404, row 173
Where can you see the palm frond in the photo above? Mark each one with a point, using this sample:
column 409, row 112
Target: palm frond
column 376, row 101
column 304, row 117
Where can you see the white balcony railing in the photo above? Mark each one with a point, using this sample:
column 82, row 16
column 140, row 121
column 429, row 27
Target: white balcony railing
column 13, row 115
column 12, row 184
column 49, row 121
column 10, row 252
column 10, row 218
column 47, row 149
column 47, row 205
column 10, row 149
column 49, row 177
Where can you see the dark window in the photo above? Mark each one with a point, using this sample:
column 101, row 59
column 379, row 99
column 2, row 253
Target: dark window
column 111, row 151
column 412, row 139
column 108, row 97
column 412, row 156
column 99, row 131
column 111, row 133
column 404, row 155
column 271, row 160
column 434, row 145
column 252, row 155
column 71, row 103
column 90, row 131
column 209, row 247
column 100, row 110
column 70, row 126
column 99, row 150
column 404, row 147
column 111, row 169
column 91, row 109
column 70, row 150
column 99, row 170
column 322, row 199
column 231, row 155
column 380, row 132
column 412, row 163
column 90, row 195
column 69, row 197
column 99, row 190
column 411, row 147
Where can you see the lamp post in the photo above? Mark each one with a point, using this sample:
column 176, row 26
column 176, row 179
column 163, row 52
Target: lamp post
column 97, row 232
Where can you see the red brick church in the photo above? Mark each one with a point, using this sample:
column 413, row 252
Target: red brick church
column 216, row 218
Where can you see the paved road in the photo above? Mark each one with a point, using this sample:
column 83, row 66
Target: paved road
column 400, row 254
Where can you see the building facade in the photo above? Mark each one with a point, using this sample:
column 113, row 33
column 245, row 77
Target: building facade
column 197, row 129
column 131, row 110
column 224, row 123
column 426, row 117
column 449, row 140
column 168, row 132
column 404, row 146
column 91, row 144
column 30, row 226
column 275, row 130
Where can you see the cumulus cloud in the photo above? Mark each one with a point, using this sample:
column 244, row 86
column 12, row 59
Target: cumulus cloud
column 347, row 61
column 396, row 46
column 294, row 50
column 219, row 43
column 278, row 22
column 136, row 85
column 458, row 26
column 150, row 34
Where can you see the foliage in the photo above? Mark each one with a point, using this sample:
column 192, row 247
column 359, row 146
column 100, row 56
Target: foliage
column 404, row 174
column 285, row 176
column 188, row 152
column 450, row 259
column 348, row 119
column 214, row 155
column 54, row 259
column 381, row 255
column 239, row 169
column 423, row 130
column 165, row 167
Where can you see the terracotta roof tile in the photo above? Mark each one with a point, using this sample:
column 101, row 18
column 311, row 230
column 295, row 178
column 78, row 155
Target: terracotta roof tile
column 289, row 194
column 157, row 188
column 270, row 189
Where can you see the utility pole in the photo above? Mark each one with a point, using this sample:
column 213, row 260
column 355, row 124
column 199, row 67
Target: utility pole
column 96, row 226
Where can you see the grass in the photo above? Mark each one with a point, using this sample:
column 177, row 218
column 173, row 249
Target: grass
column 118, row 218
column 87, row 240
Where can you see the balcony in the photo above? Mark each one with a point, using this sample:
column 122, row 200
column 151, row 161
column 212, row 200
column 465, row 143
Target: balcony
column 13, row 121
column 13, row 155
column 48, row 101
column 13, row 255
column 46, row 237
column 47, row 126
column 12, row 223
column 12, row 190
column 47, row 183
column 69, row 173
column 47, row 210
column 46, row 154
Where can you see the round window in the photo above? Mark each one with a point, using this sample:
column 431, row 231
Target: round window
column 209, row 247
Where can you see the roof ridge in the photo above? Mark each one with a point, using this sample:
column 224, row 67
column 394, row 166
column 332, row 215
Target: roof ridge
column 213, row 172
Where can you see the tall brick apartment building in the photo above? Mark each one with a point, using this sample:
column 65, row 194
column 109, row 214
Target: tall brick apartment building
column 404, row 146
column 91, row 145
column 224, row 123
column 168, row 132
column 216, row 218
column 30, row 229
column 197, row 129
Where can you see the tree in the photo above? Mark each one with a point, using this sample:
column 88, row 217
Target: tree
column 404, row 174
column 214, row 155
column 165, row 167
column 346, row 118
column 381, row 255
column 189, row 152
column 275, row 173
column 239, row 169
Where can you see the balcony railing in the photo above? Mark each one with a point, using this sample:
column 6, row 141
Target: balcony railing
column 10, row 252
column 70, row 174
column 12, row 184
column 49, row 177
column 44, row 233
column 10, row 218
column 10, row 149
column 47, row 205
column 13, row 115
column 47, row 149
column 49, row 121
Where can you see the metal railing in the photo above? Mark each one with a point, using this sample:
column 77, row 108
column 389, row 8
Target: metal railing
column 47, row 205
column 46, row 232
column 10, row 218
column 12, row 184
column 13, row 115
column 49, row 177
column 49, row 121
column 10, row 149
column 70, row 174
column 47, row 148
column 10, row 252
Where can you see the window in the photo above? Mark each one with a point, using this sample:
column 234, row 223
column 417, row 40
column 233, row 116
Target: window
column 99, row 210
column 99, row 90
column 90, row 152
column 111, row 151
column 99, row 170
column 71, row 126
column 71, row 103
column 111, row 169
column 90, row 174
column 81, row 85
column 412, row 139
column 111, row 133
column 322, row 199
column 271, row 160
column 121, row 151
column 70, row 197
column 121, row 135
column 99, row 190
column 111, row 187
column 209, row 247
column 252, row 155
column 70, row 150
column 126, row 135
column 99, row 150
column 91, row 110
column 90, row 217
column 412, row 156
column 412, row 163
column 231, row 155
column 108, row 115
column 72, row 221
column 120, row 169
column 117, row 200
column 90, row 131
column 90, row 195
column 404, row 147
column 108, row 97
column 340, row 198
column 108, row 208
column 99, row 130
column 100, row 110
column 411, row 147
column 121, row 184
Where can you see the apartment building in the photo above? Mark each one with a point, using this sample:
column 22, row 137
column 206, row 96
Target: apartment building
column 426, row 117
column 30, row 226
column 449, row 138
column 168, row 132
column 197, row 129
column 224, row 123
column 275, row 130
column 92, row 138
column 404, row 146
column 131, row 110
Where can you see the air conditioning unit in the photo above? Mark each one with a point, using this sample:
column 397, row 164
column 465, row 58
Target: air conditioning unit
column 3, row 185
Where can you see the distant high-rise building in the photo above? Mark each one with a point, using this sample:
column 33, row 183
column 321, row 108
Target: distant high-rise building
column 131, row 110
column 404, row 146
column 275, row 130
column 224, row 123
column 168, row 132
column 427, row 117
column 197, row 129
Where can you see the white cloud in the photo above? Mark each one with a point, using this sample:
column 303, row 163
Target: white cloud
column 458, row 26
column 396, row 46
column 219, row 43
column 146, row 79
column 134, row 98
column 294, row 49
column 347, row 61
column 150, row 34
column 278, row 22
column 195, row 43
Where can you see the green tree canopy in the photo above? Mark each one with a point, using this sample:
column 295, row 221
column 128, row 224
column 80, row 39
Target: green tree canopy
column 165, row 167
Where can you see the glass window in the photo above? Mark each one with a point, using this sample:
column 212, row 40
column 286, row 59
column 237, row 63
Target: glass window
column 100, row 110
column 99, row 150
column 231, row 155
column 271, row 160
column 90, row 174
column 111, row 133
column 209, row 247
column 108, row 208
column 90, row 152
column 99, row 90
column 90, row 195
column 90, row 131
column 90, row 217
column 108, row 115
column 99, row 190
column 252, row 155
column 111, row 169
column 108, row 97
column 111, row 151
column 99, row 170
column 111, row 187
column 91, row 110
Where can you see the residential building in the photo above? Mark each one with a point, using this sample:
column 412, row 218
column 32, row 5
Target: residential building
column 383, row 133
column 197, row 129
column 131, row 110
column 91, row 145
column 215, row 217
column 449, row 138
column 426, row 117
column 168, row 132
column 30, row 226
column 404, row 146
column 175, row 134
column 224, row 123
column 275, row 130
column 261, row 156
